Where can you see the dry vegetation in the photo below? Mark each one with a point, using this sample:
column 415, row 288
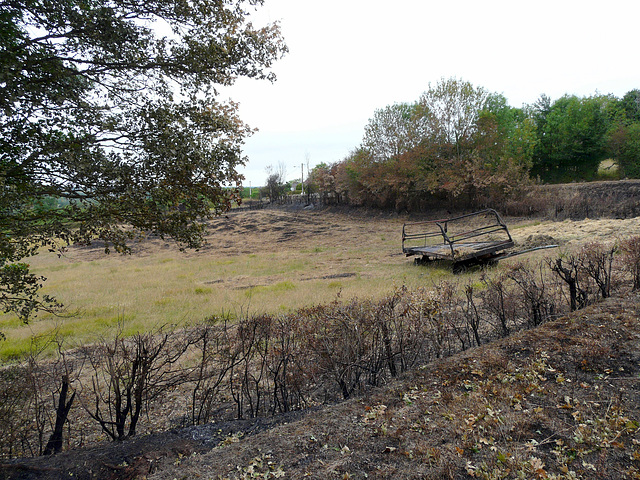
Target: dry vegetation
column 555, row 401
column 259, row 261
column 559, row 401
column 254, row 262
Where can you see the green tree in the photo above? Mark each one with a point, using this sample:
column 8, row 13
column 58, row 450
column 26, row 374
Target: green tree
column 353, row 179
column 451, row 110
column 631, row 105
column 623, row 136
column 476, row 142
column 515, row 130
column 392, row 131
column 110, row 106
column 624, row 143
column 571, row 138
column 275, row 186
column 323, row 181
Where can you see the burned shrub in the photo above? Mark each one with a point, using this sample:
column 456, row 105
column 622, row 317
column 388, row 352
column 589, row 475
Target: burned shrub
column 267, row 375
column 16, row 412
column 287, row 369
column 36, row 397
column 596, row 262
column 216, row 358
column 362, row 342
column 500, row 302
column 539, row 305
column 245, row 378
column 569, row 269
column 340, row 337
column 416, row 326
column 630, row 249
column 130, row 373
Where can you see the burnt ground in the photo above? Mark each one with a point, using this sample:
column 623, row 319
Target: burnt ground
column 139, row 456
column 558, row 401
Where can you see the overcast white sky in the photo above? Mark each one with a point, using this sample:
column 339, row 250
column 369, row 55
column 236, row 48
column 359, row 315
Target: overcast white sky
column 350, row 57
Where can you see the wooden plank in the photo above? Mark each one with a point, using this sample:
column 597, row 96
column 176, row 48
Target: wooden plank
column 462, row 250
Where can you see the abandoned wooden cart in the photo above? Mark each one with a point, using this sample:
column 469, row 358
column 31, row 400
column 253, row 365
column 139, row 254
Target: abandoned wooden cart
column 478, row 238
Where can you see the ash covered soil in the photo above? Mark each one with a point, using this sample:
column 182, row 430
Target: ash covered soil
column 563, row 397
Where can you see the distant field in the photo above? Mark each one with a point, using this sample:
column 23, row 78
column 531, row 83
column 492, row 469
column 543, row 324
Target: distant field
column 255, row 261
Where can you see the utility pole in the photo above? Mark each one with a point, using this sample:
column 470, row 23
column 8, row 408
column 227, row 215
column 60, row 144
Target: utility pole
column 302, row 176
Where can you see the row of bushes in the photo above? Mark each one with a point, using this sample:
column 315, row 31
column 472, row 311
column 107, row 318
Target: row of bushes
column 268, row 364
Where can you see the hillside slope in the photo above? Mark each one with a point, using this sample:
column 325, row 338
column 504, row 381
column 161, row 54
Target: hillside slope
column 560, row 401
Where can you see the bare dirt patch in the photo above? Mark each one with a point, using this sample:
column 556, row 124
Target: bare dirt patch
column 264, row 231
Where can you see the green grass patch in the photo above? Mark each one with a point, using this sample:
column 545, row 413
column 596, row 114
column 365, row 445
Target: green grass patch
column 277, row 288
column 525, row 225
column 608, row 170
column 226, row 262
column 283, row 287
column 15, row 349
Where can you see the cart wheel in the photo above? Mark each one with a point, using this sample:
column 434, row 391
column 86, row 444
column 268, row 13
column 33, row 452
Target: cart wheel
column 459, row 268
column 424, row 260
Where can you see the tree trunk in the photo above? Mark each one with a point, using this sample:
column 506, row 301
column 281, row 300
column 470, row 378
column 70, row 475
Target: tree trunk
column 54, row 445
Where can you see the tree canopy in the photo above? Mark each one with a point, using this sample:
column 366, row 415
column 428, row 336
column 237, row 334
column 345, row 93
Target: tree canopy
column 467, row 146
column 572, row 138
column 109, row 107
column 456, row 141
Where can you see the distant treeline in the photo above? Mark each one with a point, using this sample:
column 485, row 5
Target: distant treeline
column 465, row 146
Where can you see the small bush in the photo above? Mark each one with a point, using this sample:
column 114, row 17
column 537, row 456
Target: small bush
column 630, row 249
column 500, row 302
column 130, row 373
column 539, row 305
column 568, row 269
column 597, row 262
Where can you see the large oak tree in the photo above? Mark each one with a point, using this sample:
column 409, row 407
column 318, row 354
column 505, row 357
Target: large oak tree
column 110, row 124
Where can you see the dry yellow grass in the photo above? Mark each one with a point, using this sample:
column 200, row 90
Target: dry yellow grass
column 258, row 261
